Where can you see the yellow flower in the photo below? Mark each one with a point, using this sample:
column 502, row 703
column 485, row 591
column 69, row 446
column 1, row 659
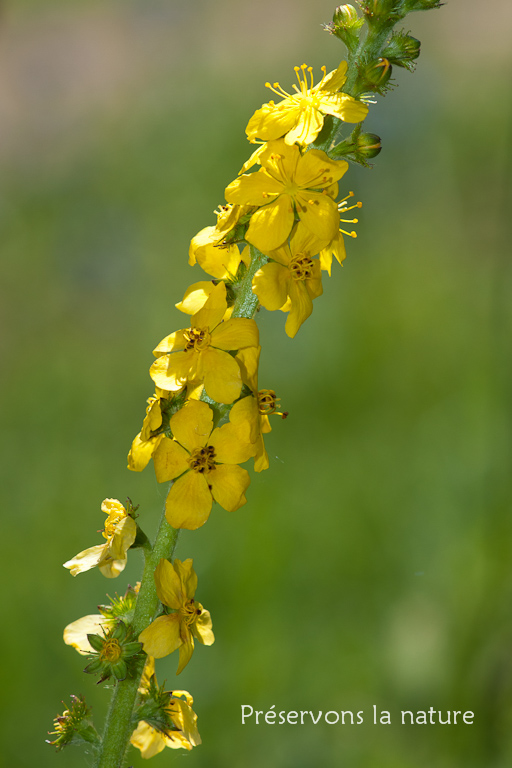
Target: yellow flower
column 205, row 463
column 120, row 531
column 300, row 117
column 199, row 354
column 289, row 182
column 151, row 741
column 176, row 585
column 292, row 280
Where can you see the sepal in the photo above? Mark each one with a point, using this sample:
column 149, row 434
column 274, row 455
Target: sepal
column 74, row 726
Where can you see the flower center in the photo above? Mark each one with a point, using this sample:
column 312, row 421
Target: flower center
column 301, row 267
column 189, row 612
column 197, row 338
column 111, row 524
column 267, row 401
column 202, row 459
column 111, row 651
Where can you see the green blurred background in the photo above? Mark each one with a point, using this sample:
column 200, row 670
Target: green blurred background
column 372, row 562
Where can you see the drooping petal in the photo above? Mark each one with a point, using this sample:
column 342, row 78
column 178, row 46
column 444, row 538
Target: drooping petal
column 123, row 538
column 248, row 360
column 170, row 460
column 206, row 236
column 261, row 456
column 335, row 248
column 192, row 424
column 222, row 378
column 270, row 226
column 141, row 452
column 237, row 333
column 245, row 415
column 189, row 502
column 170, row 372
column 270, row 284
column 232, row 442
column 85, row 560
column 202, row 627
column 219, row 261
column 169, row 587
column 253, row 188
column 184, row 717
column 75, row 634
column 301, row 307
column 314, row 283
column 186, row 650
column 229, row 483
column 162, row 637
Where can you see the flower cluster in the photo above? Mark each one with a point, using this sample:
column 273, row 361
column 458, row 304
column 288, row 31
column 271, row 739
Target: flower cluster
column 280, row 227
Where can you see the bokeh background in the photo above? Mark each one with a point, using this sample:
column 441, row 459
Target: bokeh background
column 372, row 564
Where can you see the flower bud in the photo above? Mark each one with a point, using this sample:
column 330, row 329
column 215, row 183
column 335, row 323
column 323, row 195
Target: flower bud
column 402, row 49
column 346, row 25
column 368, row 145
column 376, row 75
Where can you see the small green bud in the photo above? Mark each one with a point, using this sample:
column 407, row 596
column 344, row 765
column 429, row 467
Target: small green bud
column 346, row 25
column 402, row 50
column 375, row 76
column 368, row 145
column 74, row 726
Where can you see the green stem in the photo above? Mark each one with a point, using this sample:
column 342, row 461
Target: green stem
column 119, row 726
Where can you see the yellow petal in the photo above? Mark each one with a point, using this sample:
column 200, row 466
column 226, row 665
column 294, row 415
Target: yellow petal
column 187, row 575
column 186, row 650
column 202, row 627
column 261, row 456
column 335, row 79
column 219, row 261
column 270, row 226
column 315, row 169
column 189, row 502
column 123, row 538
column 280, row 160
column 248, row 360
column 172, row 343
column 319, row 214
column 85, row 560
column 195, row 297
column 206, row 236
column 302, row 307
column 170, row 372
column 271, row 121
column 229, row 483
column 232, row 441
column 236, row 333
column 192, row 424
column 169, row 587
column 148, row 740
column 75, row 634
column 222, row 378
column 350, row 110
column 308, row 126
column 213, row 310
column 162, row 637
column 253, row 188
column 170, row 460
column 270, row 284
column 246, row 416
column 142, row 451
